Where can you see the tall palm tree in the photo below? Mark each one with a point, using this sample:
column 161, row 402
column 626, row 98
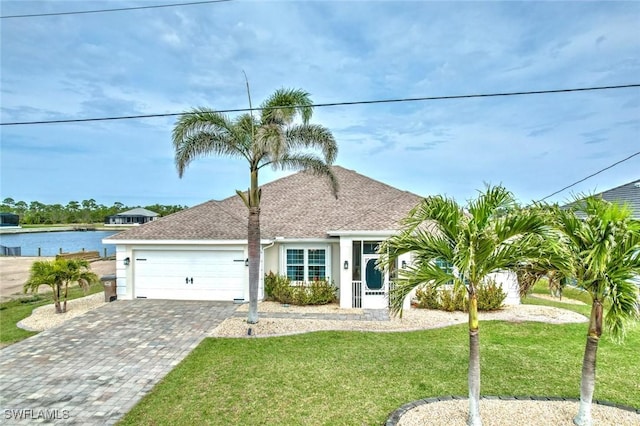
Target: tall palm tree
column 58, row 274
column 274, row 139
column 464, row 245
column 604, row 249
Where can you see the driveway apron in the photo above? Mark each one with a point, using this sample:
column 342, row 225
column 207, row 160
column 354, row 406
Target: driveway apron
column 96, row 367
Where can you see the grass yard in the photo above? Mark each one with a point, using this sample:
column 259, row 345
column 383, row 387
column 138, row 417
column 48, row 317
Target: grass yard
column 356, row 378
column 13, row 311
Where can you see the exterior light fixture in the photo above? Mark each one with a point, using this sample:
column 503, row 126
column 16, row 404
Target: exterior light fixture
column 246, row 262
column 127, row 261
column 404, row 264
column 346, row 264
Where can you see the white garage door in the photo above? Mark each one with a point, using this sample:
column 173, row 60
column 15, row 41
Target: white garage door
column 189, row 275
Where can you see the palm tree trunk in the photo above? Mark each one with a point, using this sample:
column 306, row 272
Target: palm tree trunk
column 474, row 363
column 253, row 242
column 66, row 292
column 56, row 299
column 588, row 380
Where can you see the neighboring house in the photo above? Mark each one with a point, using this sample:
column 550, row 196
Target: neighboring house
column 137, row 216
column 306, row 234
column 9, row 219
column 628, row 194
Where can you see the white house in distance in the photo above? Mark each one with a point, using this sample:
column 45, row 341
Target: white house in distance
column 201, row 253
column 137, row 216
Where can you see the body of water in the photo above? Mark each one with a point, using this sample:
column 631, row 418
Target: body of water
column 50, row 243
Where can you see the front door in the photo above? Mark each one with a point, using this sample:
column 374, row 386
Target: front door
column 374, row 284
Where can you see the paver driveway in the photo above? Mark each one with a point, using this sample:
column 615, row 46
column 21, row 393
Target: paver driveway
column 96, row 367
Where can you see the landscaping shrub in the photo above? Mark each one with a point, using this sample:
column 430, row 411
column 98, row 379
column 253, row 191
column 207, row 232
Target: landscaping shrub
column 490, row 298
column 319, row 292
column 427, row 298
column 272, row 284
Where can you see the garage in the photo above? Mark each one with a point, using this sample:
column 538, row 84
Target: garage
column 189, row 275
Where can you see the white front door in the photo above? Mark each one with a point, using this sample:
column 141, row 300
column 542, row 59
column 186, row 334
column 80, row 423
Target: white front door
column 374, row 284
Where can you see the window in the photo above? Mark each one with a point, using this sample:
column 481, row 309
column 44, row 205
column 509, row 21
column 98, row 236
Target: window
column 306, row 264
column 446, row 266
column 316, row 264
column 295, row 265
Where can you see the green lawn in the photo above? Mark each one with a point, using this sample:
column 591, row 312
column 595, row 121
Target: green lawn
column 13, row 311
column 356, row 378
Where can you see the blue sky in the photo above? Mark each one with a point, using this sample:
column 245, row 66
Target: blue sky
column 171, row 59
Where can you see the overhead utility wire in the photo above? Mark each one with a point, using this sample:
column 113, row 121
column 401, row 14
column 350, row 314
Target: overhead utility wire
column 590, row 176
column 120, row 9
column 379, row 101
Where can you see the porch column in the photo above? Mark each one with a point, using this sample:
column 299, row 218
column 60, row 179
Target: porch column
column 345, row 274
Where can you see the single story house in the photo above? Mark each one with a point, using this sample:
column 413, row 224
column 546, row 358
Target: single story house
column 137, row 216
column 306, row 233
column 9, row 219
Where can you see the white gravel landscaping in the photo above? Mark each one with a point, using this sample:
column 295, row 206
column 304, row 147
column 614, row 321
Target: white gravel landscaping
column 45, row 317
column 514, row 412
column 413, row 319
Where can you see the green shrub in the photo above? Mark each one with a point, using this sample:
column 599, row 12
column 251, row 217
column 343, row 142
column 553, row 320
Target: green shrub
column 319, row 292
column 490, row 298
column 427, row 298
column 272, row 284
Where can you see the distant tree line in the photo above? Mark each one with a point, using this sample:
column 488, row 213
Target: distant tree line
column 85, row 211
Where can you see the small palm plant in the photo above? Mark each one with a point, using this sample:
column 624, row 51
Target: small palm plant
column 604, row 250
column 58, row 274
column 490, row 235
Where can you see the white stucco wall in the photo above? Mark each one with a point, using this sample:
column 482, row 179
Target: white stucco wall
column 509, row 283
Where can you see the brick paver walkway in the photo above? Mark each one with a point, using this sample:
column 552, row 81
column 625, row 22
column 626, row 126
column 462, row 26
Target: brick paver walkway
column 96, row 367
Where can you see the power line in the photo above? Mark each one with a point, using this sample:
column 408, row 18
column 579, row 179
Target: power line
column 590, row 176
column 120, row 9
column 331, row 104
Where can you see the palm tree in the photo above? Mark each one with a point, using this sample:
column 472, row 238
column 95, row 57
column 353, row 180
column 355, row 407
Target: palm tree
column 273, row 139
column 58, row 274
column 603, row 243
column 463, row 246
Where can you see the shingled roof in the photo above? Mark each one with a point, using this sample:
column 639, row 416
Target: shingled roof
column 297, row 206
column 628, row 193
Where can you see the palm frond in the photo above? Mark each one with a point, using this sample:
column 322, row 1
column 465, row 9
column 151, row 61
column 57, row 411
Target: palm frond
column 204, row 132
column 284, row 105
column 312, row 136
column 309, row 162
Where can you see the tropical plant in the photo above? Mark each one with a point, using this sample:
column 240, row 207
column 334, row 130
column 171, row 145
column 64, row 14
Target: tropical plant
column 58, row 274
column 492, row 234
column 272, row 139
column 603, row 244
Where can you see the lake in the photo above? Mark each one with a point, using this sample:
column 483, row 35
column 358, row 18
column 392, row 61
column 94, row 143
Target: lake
column 50, row 243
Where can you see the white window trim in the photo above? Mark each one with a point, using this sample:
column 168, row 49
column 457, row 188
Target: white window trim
column 306, row 248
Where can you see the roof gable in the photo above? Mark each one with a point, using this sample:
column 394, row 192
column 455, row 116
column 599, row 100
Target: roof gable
column 297, row 206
